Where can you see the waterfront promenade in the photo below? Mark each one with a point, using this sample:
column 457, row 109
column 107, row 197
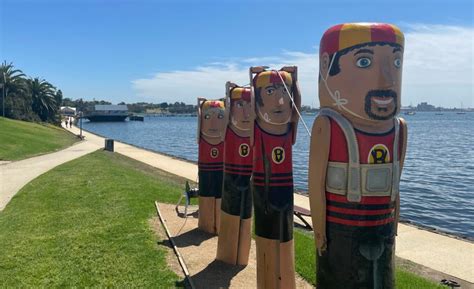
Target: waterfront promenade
column 441, row 253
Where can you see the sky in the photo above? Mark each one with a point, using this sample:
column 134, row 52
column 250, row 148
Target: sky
column 168, row 51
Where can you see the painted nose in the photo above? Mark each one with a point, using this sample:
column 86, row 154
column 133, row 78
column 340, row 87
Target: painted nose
column 246, row 111
column 281, row 100
column 387, row 75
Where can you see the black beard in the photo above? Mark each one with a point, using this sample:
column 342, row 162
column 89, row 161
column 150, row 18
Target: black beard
column 380, row 93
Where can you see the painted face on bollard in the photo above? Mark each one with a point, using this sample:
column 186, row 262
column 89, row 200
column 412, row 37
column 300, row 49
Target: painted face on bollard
column 363, row 80
column 271, row 98
column 241, row 108
column 212, row 118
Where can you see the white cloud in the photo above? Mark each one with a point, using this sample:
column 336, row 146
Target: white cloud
column 438, row 68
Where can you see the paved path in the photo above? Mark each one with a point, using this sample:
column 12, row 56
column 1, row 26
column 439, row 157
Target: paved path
column 14, row 175
column 445, row 254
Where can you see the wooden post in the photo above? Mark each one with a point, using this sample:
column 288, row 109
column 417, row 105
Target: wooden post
column 356, row 156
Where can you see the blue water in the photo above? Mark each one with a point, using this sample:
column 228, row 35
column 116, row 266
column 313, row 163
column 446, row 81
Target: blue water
column 438, row 178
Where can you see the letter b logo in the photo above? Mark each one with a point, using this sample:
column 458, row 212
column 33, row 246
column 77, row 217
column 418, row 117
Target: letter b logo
column 278, row 155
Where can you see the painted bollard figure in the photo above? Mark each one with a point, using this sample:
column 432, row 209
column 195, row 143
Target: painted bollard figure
column 274, row 133
column 236, row 209
column 211, row 129
column 357, row 151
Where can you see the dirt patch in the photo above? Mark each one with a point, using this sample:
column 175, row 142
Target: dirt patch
column 199, row 251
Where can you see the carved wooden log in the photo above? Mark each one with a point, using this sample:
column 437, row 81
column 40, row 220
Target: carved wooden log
column 356, row 155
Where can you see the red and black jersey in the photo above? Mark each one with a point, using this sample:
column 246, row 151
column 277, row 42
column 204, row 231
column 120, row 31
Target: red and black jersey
column 238, row 155
column 274, row 152
column 211, row 157
column 273, row 184
column 211, row 168
column 371, row 211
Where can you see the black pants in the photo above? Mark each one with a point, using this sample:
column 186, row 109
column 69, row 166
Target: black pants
column 236, row 196
column 273, row 212
column 356, row 260
column 210, row 183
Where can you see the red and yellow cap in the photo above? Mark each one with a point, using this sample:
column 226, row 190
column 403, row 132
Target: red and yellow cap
column 346, row 35
column 213, row 104
column 238, row 93
column 271, row 77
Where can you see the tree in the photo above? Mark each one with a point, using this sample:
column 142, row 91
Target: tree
column 58, row 97
column 43, row 96
column 13, row 84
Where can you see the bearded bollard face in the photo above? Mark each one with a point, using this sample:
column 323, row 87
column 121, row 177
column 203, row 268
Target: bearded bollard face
column 363, row 81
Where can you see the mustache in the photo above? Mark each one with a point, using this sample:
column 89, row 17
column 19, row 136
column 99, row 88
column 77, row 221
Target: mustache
column 381, row 93
column 385, row 93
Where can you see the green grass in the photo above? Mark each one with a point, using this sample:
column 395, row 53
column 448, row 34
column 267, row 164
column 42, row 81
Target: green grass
column 20, row 139
column 86, row 223
column 306, row 265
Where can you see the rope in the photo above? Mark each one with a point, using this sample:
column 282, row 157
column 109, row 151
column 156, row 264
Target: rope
column 294, row 104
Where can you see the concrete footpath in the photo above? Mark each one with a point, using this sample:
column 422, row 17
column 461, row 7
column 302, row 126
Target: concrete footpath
column 14, row 175
column 442, row 253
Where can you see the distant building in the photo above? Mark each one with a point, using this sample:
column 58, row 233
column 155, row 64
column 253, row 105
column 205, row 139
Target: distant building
column 67, row 111
column 108, row 112
column 424, row 106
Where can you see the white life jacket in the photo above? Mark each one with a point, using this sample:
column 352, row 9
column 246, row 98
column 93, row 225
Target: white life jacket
column 355, row 179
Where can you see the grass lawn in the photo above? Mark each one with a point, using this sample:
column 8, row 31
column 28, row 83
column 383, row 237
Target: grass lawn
column 20, row 139
column 306, row 265
column 86, row 223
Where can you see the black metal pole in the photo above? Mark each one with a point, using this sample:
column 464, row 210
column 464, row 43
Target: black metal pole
column 3, row 96
column 81, row 123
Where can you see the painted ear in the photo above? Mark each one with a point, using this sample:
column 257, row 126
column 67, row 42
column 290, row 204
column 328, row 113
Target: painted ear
column 226, row 116
column 200, row 100
column 324, row 63
column 296, row 108
column 289, row 69
column 228, row 87
column 258, row 69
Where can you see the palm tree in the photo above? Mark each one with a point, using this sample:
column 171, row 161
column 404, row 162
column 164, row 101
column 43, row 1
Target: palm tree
column 42, row 94
column 12, row 80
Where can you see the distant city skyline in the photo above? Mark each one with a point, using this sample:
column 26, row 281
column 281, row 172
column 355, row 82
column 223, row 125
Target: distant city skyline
column 168, row 51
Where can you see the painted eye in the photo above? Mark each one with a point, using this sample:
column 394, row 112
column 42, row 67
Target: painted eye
column 270, row 90
column 364, row 62
column 220, row 115
column 397, row 62
column 207, row 116
column 239, row 105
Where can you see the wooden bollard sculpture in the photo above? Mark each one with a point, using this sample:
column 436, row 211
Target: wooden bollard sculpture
column 233, row 246
column 272, row 177
column 356, row 156
column 211, row 130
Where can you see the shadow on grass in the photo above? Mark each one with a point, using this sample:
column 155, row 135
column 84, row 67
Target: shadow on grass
column 191, row 238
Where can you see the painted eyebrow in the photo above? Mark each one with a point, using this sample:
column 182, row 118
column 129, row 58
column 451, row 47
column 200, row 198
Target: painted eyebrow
column 370, row 51
column 396, row 49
